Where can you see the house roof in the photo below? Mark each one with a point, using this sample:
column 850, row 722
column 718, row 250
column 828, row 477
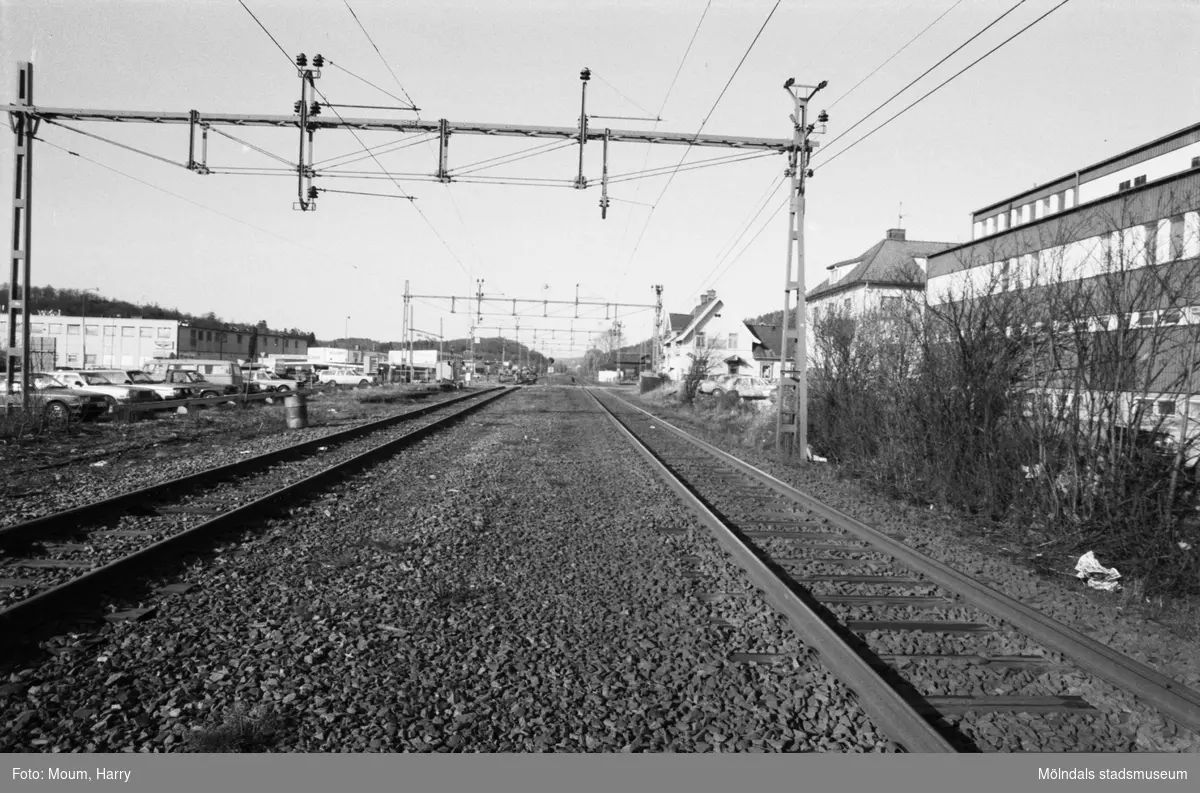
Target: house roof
column 888, row 261
column 679, row 321
column 768, row 344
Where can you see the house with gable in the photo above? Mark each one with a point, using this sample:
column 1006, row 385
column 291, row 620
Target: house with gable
column 707, row 329
column 881, row 277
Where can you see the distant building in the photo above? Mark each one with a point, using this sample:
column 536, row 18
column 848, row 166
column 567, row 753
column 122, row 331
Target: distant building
column 129, row 342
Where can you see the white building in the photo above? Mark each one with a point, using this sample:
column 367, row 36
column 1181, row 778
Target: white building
column 708, row 329
column 103, row 342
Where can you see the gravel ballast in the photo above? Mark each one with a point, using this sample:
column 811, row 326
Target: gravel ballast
column 522, row 582
column 948, row 539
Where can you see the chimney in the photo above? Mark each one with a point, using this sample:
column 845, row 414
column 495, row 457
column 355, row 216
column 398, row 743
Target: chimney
column 708, row 297
column 895, row 234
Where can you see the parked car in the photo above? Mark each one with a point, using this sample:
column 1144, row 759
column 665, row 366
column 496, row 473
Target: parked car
column 165, row 390
column 711, row 384
column 746, row 387
column 269, row 381
column 113, row 383
column 216, row 376
column 56, row 403
column 199, row 386
column 347, row 377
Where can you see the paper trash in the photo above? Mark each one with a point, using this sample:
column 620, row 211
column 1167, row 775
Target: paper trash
column 1098, row 576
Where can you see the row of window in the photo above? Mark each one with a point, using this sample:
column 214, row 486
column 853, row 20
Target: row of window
column 731, row 340
column 1034, row 210
column 73, row 329
column 223, row 338
column 1144, row 245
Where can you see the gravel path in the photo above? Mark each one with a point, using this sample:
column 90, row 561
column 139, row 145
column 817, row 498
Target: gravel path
column 521, row 583
column 948, row 539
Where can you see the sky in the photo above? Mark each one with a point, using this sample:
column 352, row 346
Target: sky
column 1092, row 79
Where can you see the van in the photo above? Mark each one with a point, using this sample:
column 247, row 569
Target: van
column 227, row 374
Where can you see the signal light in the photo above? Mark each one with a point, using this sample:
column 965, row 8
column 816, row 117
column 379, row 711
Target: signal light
column 302, row 59
column 318, row 60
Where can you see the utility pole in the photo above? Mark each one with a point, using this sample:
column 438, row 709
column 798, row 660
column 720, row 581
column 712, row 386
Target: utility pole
column 405, row 342
column 24, row 126
column 792, row 418
column 411, row 325
column 656, row 340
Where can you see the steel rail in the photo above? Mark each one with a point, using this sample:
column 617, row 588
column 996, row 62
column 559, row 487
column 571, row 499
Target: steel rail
column 895, row 717
column 66, row 520
column 400, row 125
column 42, row 607
column 1169, row 696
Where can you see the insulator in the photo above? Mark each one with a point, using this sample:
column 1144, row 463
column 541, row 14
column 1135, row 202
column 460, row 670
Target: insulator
column 586, row 74
column 302, row 59
column 296, row 107
column 318, row 60
column 312, row 193
column 823, row 117
column 809, row 173
column 315, row 109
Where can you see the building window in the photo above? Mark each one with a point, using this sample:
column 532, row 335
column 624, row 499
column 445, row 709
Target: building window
column 846, row 305
column 56, row 327
column 239, row 338
column 110, row 330
column 146, row 333
column 1123, row 186
column 1139, row 181
column 889, row 302
column 72, row 330
column 37, row 327
column 72, row 357
column 1146, row 319
column 127, row 331
column 1170, row 317
column 193, row 335
column 89, row 360
column 1166, row 407
column 1176, row 245
column 164, row 333
column 733, row 341
column 92, row 330
column 1150, row 244
column 699, row 339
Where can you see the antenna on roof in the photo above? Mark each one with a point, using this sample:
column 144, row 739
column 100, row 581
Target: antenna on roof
column 900, row 217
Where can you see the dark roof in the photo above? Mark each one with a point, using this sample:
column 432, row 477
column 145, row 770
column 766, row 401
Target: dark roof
column 770, row 337
column 679, row 321
column 889, row 261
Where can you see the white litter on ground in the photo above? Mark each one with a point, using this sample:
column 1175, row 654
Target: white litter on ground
column 1098, row 576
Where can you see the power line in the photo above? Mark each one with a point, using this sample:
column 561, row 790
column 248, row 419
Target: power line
column 264, row 30
column 746, row 225
column 205, row 207
column 380, row 54
column 761, row 229
column 897, row 52
column 704, row 121
column 667, row 96
column 938, row 87
column 415, row 206
column 115, row 143
column 368, row 82
column 618, row 90
column 252, row 146
column 1015, row 6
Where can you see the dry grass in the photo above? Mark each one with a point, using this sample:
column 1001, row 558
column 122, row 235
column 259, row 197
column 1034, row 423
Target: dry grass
column 241, row 731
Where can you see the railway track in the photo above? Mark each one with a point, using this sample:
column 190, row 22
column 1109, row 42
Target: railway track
column 51, row 564
column 933, row 655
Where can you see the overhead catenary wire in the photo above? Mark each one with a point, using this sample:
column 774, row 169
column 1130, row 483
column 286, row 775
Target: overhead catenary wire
column 951, row 54
column 264, row 30
column 380, row 54
column 116, row 143
column 703, row 122
column 258, row 149
column 368, row 82
column 892, row 57
column 943, row 84
column 205, row 207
